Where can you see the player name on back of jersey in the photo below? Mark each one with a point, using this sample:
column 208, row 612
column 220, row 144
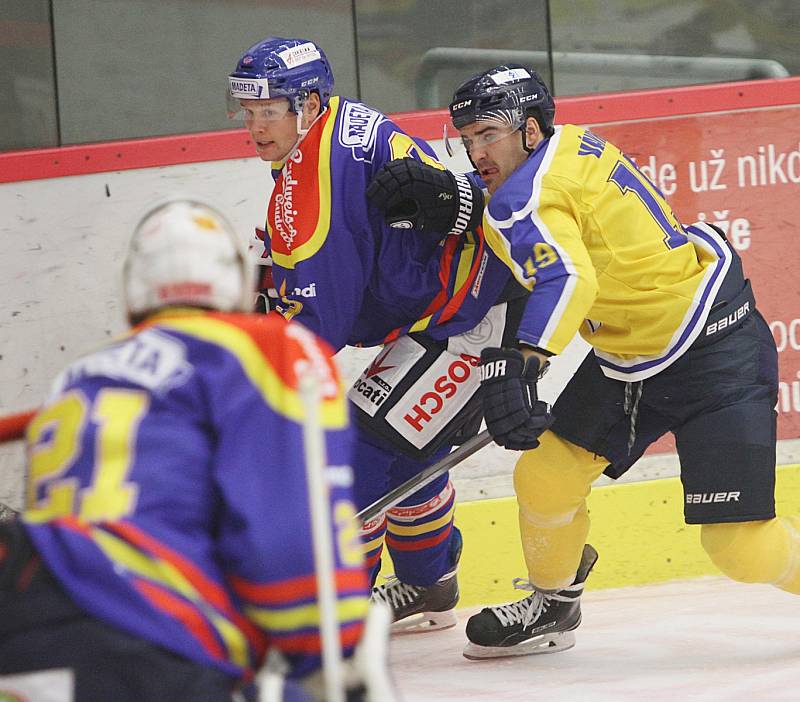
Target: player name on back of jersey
column 149, row 359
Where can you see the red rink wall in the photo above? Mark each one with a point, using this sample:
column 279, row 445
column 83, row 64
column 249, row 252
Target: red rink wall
column 729, row 154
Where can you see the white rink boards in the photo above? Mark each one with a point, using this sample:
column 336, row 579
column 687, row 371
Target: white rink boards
column 708, row 639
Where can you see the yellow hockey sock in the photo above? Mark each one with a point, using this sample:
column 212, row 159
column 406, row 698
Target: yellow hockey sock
column 552, row 483
column 757, row 552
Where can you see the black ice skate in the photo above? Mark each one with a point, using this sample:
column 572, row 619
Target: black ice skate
column 417, row 608
column 541, row 623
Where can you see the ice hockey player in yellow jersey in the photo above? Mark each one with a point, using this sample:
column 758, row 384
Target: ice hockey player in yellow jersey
column 677, row 345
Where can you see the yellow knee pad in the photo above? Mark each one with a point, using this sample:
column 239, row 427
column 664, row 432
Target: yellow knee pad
column 552, row 482
column 757, row 552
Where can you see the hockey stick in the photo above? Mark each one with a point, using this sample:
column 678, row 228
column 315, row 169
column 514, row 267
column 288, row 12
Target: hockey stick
column 12, row 426
column 322, row 541
column 421, row 479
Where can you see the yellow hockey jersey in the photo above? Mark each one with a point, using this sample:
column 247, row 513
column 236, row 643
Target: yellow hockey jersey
column 602, row 252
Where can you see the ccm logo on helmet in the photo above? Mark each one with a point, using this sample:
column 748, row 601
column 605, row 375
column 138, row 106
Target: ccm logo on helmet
column 444, row 387
column 459, row 105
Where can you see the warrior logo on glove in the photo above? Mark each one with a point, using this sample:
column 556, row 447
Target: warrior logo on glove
column 416, row 195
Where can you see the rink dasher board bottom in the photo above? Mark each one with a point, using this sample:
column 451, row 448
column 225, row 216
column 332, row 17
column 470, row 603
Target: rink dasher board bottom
column 637, row 529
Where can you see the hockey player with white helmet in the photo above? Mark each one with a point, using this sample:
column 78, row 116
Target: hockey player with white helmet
column 677, row 345
column 184, row 253
column 418, row 288
column 161, row 551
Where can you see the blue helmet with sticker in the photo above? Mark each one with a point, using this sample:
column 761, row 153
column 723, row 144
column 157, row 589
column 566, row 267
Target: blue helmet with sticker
column 279, row 67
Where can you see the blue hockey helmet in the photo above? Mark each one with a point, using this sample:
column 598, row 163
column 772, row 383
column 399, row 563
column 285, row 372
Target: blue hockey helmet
column 509, row 93
column 279, row 67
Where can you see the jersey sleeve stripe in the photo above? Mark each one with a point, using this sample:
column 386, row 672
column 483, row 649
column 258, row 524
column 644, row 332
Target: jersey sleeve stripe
column 560, row 326
column 502, row 248
column 289, row 619
column 294, row 589
column 468, row 266
column 456, row 277
column 311, row 643
column 165, row 576
column 208, row 589
column 188, row 615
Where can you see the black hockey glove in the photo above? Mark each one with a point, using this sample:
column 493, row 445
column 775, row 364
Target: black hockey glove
column 414, row 195
column 514, row 416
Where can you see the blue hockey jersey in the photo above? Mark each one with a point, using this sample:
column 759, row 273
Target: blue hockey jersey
column 340, row 269
column 166, row 489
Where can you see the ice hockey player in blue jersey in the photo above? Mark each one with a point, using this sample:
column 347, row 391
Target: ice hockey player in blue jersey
column 162, row 550
column 419, row 288
column 677, row 345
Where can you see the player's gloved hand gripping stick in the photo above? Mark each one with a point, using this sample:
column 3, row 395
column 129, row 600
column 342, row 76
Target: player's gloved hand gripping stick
column 514, row 414
column 415, row 195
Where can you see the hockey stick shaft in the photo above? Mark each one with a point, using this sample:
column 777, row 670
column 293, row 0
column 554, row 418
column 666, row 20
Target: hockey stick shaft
column 12, row 426
column 322, row 540
column 421, row 479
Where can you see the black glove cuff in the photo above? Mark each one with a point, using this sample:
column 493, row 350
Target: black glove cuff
column 469, row 214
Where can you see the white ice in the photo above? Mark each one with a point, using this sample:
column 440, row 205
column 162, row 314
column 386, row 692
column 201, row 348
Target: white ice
column 707, row 639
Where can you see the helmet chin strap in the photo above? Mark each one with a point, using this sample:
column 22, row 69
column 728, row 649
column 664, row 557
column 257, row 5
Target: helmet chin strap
column 301, row 133
column 525, row 140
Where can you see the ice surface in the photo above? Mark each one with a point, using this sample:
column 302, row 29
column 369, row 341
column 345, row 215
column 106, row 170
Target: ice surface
column 705, row 639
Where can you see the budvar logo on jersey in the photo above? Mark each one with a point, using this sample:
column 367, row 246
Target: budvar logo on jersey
column 249, row 89
column 298, row 55
column 358, row 126
column 284, row 203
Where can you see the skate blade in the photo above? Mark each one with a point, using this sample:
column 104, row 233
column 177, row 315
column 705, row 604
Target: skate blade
column 551, row 643
column 425, row 621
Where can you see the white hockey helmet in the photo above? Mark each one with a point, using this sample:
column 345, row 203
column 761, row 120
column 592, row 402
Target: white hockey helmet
column 184, row 252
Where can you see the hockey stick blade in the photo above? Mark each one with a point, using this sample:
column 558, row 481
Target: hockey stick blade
column 421, row 479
